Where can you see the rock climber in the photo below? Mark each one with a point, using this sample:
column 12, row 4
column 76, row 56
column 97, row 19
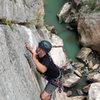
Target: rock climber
column 45, row 65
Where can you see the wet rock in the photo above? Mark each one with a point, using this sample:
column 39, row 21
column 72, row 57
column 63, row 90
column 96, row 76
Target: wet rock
column 86, row 88
column 94, row 77
column 83, row 53
column 94, row 91
column 71, row 80
column 79, row 92
column 69, row 28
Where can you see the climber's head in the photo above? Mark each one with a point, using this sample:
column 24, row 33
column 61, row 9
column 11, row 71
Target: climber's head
column 43, row 48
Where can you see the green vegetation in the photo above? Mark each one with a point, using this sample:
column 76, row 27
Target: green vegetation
column 6, row 22
column 15, row 1
column 38, row 18
column 93, row 6
column 62, row 18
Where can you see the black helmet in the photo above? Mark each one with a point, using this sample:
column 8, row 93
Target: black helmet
column 45, row 45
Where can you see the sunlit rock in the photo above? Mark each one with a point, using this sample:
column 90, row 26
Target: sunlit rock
column 71, row 80
column 78, row 64
column 89, row 29
column 94, row 91
column 21, row 11
column 83, row 53
column 77, row 73
column 77, row 98
column 94, row 77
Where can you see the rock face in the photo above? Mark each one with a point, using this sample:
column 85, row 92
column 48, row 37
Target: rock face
column 89, row 29
column 94, row 91
column 20, row 11
column 16, row 81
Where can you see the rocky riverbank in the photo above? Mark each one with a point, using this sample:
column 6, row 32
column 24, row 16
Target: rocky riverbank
column 84, row 17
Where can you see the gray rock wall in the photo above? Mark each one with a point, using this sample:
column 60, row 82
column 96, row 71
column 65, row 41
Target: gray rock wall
column 16, row 82
column 16, row 79
column 19, row 10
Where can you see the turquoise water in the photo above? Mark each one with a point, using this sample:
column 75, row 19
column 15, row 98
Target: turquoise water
column 70, row 38
column 52, row 7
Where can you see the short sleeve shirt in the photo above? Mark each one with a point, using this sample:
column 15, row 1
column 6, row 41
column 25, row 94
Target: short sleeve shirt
column 52, row 70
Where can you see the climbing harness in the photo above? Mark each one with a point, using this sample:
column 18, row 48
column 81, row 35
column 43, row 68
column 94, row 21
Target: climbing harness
column 57, row 82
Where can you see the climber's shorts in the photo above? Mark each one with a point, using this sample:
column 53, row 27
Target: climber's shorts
column 50, row 88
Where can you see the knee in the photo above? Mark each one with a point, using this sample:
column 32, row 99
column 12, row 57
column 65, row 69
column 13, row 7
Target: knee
column 43, row 96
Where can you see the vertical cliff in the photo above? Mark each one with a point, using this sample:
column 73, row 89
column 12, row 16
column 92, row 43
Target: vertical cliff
column 21, row 21
column 16, row 81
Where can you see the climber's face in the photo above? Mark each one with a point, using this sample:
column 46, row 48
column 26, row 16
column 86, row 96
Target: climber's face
column 41, row 53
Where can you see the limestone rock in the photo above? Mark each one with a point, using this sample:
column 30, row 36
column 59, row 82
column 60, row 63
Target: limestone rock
column 94, row 77
column 76, row 98
column 95, row 66
column 63, row 12
column 58, row 53
column 78, row 64
column 16, row 81
column 71, row 80
column 77, row 72
column 56, row 41
column 89, row 29
column 60, row 96
column 86, row 88
column 83, row 53
column 94, row 91
column 21, row 11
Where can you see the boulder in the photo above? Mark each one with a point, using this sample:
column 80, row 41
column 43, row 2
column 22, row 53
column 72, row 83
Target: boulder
column 58, row 52
column 77, row 98
column 89, row 29
column 71, row 80
column 94, row 91
column 77, row 73
column 83, row 53
column 93, row 77
column 56, row 41
column 86, row 88
column 78, row 64
column 64, row 11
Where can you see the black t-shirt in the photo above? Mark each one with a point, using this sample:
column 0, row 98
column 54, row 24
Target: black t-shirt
column 52, row 70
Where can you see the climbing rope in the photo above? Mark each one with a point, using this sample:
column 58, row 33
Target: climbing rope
column 33, row 69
